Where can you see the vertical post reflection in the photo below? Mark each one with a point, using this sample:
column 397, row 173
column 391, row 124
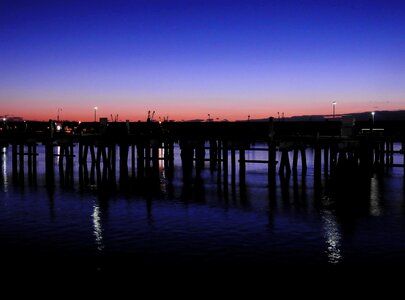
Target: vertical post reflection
column 333, row 237
column 375, row 207
column 4, row 167
column 97, row 228
column 58, row 152
column 162, row 169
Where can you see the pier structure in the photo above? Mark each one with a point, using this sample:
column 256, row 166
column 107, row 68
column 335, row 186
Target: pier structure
column 140, row 147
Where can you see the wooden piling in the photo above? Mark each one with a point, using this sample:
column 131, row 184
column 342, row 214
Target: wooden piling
column 317, row 160
column 326, row 160
column 171, row 154
column 106, row 159
column 366, row 158
column 21, row 161
column 225, row 161
column 98, row 165
column 81, row 154
column 86, row 179
column 147, row 155
column 14, row 161
column 219, row 160
column 233, row 166
column 285, row 167
column 85, row 153
column 387, row 153
column 93, row 154
column 199, row 157
column 155, row 160
column 391, row 153
column 170, row 170
column 71, row 164
column 295, row 160
column 34, row 163
column 141, row 160
column 124, row 162
column 106, row 164
column 342, row 160
column 133, row 160
column 166, row 155
column 381, row 147
column 49, row 168
column 81, row 176
column 403, row 158
column 242, row 167
column 93, row 173
column 29, row 153
column 303, row 160
column 213, row 154
column 186, row 154
column 271, row 163
column 61, row 167
column 113, row 162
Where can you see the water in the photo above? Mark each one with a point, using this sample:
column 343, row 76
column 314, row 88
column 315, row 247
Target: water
column 299, row 223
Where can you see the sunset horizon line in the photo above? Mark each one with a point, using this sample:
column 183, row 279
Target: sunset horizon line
column 195, row 118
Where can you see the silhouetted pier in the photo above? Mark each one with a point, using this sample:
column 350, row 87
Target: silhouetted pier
column 339, row 149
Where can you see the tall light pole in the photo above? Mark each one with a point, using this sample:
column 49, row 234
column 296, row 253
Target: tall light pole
column 372, row 120
column 59, row 109
column 334, row 108
column 95, row 113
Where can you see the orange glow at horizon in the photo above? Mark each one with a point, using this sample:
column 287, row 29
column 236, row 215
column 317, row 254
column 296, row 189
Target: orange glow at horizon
column 183, row 112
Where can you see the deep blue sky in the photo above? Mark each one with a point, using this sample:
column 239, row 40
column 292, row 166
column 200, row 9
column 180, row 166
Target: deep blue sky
column 186, row 59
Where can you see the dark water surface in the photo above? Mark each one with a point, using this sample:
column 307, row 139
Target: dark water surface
column 300, row 223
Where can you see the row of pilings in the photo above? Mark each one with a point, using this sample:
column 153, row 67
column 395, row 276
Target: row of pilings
column 140, row 158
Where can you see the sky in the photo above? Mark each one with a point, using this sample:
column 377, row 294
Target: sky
column 187, row 59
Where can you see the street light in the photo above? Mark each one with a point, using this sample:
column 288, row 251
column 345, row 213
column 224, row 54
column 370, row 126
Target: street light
column 95, row 113
column 372, row 119
column 334, row 108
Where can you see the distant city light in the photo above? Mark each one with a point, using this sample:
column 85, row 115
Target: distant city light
column 333, row 108
column 95, row 113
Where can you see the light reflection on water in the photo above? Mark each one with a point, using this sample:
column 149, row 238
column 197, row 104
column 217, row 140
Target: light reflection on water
column 375, row 207
column 98, row 230
column 332, row 237
column 4, row 168
column 208, row 221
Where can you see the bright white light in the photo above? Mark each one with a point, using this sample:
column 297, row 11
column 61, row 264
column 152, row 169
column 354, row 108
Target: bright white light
column 58, row 127
column 4, row 119
column 373, row 113
column 95, row 107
